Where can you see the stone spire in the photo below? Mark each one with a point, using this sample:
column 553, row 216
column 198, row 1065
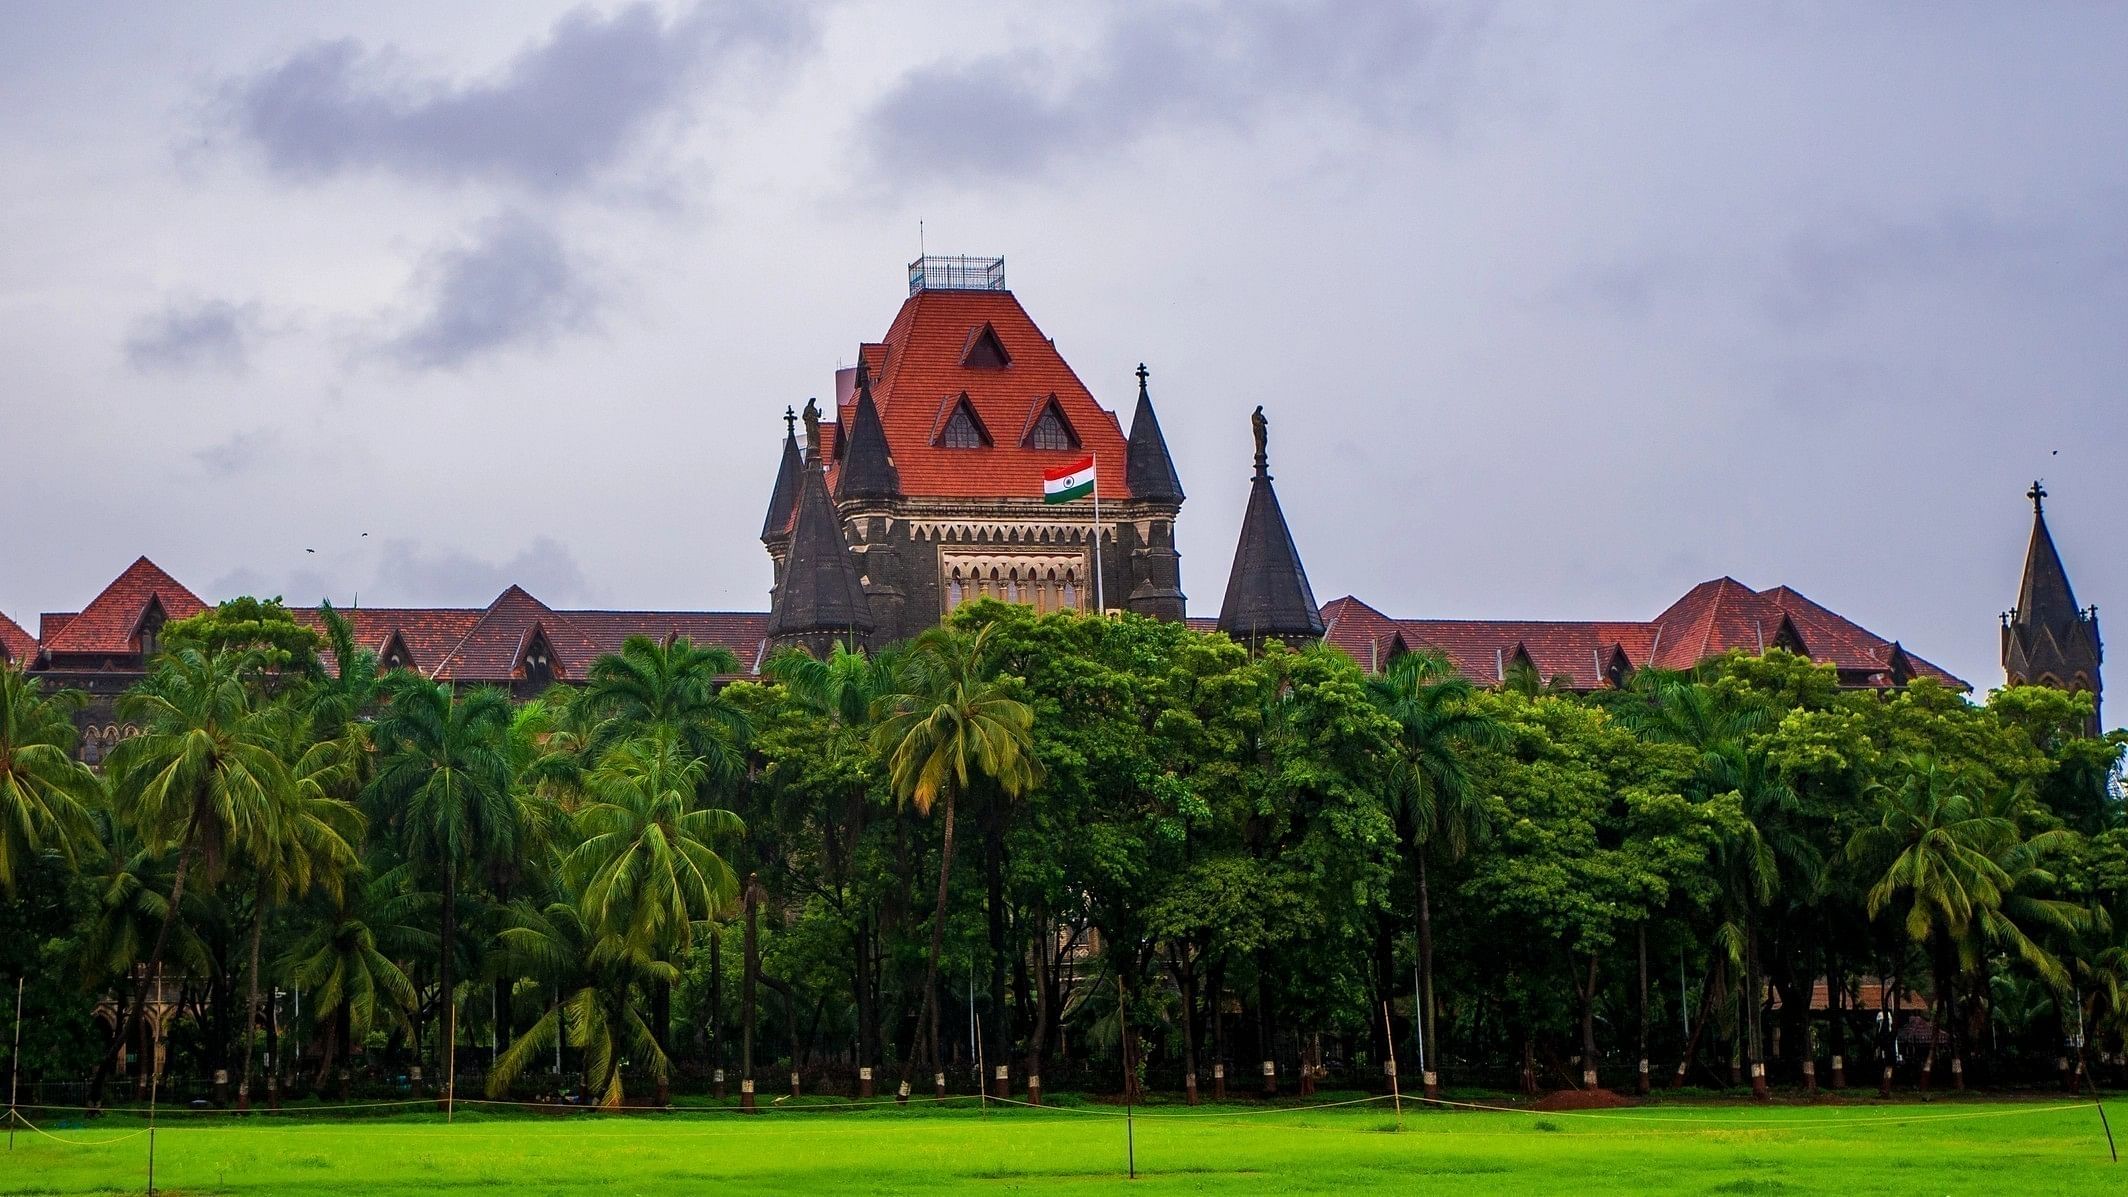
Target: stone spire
column 1148, row 469
column 784, row 498
column 867, row 466
column 2047, row 639
column 820, row 598
column 1267, row 591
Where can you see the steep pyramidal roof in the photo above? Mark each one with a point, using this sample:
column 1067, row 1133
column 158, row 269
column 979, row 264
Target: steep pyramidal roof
column 112, row 619
column 1267, row 591
column 2045, row 596
column 821, row 591
column 784, row 498
column 923, row 363
column 2047, row 639
column 1148, row 468
column 867, row 470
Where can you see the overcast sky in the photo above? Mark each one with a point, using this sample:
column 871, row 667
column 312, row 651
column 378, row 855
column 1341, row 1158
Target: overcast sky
column 1556, row 310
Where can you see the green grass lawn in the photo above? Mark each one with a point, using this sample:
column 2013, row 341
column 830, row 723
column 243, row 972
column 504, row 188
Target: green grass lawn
column 1949, row 1146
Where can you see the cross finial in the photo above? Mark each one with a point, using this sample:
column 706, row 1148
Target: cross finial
column 790, row 421
column 1142, row 372
column 2036, row 494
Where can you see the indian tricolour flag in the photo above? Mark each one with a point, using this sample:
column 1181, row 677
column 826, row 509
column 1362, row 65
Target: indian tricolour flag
column 1065, row 483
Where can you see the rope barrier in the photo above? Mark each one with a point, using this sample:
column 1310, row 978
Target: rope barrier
column 78, row 1142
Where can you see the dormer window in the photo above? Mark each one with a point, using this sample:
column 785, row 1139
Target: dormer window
column 395, row 655
column 963, row 429
column 150, row 635
column 538, row 665
column 1050, row 429
column 983, row 350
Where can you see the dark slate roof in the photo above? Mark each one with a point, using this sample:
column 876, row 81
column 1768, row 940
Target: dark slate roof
column 867, row 468
column 1148, row 468
column 2048, row 635
column 784, row 498
column 1267, row 590
column 820, row 591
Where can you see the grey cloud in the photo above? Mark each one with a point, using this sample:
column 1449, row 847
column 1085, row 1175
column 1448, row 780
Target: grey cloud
column 415, row 574
column 564, row 110
column 210, row 334
column 238, row 454
column 514, row 284
column 1393, row 65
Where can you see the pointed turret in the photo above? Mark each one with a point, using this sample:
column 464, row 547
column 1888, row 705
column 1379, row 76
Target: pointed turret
column 867, row 467
column 2047, row 640
column 1148, row 469
column 784, row 498
column 1267, row 592
column 820, row 598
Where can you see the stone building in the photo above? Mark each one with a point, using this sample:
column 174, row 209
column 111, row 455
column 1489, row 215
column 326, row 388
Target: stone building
column 921, row 487
column 934, row 465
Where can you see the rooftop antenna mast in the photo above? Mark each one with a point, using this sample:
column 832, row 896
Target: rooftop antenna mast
column 920, row 239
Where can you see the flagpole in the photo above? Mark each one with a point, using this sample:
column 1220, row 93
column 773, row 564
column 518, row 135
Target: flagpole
column 1100, row 596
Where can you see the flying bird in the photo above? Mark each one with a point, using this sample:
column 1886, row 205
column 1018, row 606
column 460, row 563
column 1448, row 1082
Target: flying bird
column 310, row 550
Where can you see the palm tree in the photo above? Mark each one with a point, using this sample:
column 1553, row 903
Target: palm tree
column 204, row 778
column 1934, row 851
column 1431, row 788
column 45, row 794
column 842, row 689
column 314, row 848
column 131, row 901
column 674, row 685
column 952, row 723
column 444, row 783
column 348, row 958
column 592, row 982
column 647, row 868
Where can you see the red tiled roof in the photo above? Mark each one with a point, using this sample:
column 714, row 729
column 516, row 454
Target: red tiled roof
column 108, row 624
column 1712, row 618
column 493, row 646
column 918, row 369
column 471, row 644
column 428, row 634
column 16, row 645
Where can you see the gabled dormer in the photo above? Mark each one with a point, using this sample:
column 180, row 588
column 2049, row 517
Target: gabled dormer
column 396, row 655
column 1617, row 670
column 959, row 425
column 983, row 350
column 148, row 632
column 1048, row 427
column 536, row 661
column 1788, row 639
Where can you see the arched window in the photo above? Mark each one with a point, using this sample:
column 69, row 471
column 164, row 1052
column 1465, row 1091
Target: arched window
column 961, row 432
column 1050, row 431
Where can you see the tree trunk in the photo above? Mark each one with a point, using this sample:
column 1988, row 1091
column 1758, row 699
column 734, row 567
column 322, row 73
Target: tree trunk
column 1836, row 1008
column 1185, row 976
column 747, row 1002
column 117, row 1049
column 1754, row 1029
column 867, row 1015
column 251, row 998
column 1266, row 1042
column 998, row 1029
column 1641, row 1082
column 716, row 1007
column 449, row 1046
column 155, row 957
column 345, row 1023
column 927, row 1022
column 1588, row 1028
column 1430, row 1074
column 1699, row 1026
column 1038, row 1033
